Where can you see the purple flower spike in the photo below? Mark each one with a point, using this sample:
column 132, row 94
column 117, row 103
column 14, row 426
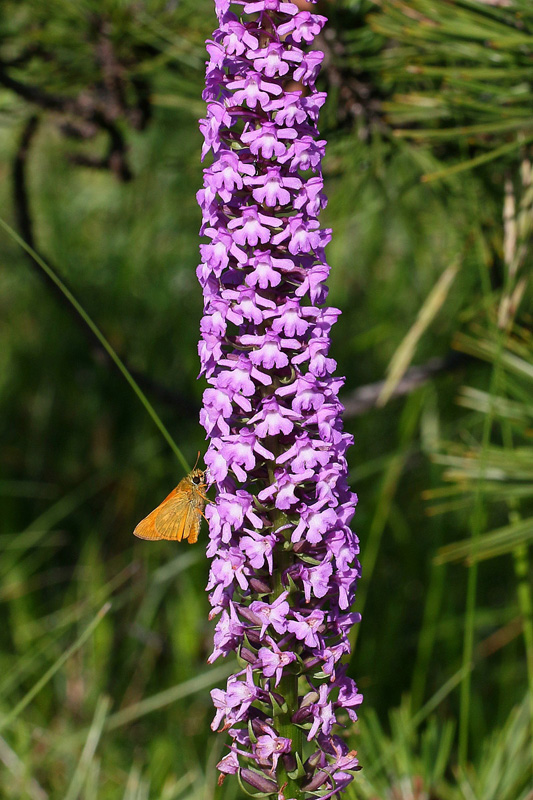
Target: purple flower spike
column 284, row 561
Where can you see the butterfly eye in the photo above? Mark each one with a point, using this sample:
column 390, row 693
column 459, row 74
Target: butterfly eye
column 197, row 479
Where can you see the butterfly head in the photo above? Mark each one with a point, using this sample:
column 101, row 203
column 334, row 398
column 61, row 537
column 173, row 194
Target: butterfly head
column 197, row 478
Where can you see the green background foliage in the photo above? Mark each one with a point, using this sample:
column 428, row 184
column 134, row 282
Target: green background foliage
column 429, row 127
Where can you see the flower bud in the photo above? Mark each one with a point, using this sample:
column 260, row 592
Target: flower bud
column 257, row 781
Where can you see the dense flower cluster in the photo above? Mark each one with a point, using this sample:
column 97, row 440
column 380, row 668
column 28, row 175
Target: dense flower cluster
column 284, row 565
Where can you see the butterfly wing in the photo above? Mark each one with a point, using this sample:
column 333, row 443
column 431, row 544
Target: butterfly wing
column 177, row 517
column 172, row 518
column 194, row 525
column 146, row 529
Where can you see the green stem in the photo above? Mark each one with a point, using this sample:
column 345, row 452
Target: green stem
column 525, row 601
column 113, row 355
column 477, row 522
column 288, row 688
column 288, row 685
column 471, row 592
column 428, row 633
column 521, row 565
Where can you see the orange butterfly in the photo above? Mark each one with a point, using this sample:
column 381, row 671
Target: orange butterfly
column 179, row 515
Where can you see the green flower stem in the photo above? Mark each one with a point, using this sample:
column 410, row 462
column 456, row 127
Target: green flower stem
column 288, row 688
column 477, row 521
column 525, row 601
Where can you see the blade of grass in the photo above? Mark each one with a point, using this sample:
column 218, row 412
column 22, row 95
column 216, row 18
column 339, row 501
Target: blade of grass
column 87, row 755
column 133, row 784
column 489, row 545
column 28, row 489
column 435, row 700
column 521, row 568
column 40, row 527
column 475, row 162
column 172, row 790
column 30, row 662
column 418, row 718
column 483, row 130
column 168, row 696
column 389, row 485
column 19, row 770
column 428, row 633
column 103, row 341
column 176, row 566
column 406, row 350
column 49, row 674
column 93, row 780
column 525, row 600
column 471, row 592
column 68, row 615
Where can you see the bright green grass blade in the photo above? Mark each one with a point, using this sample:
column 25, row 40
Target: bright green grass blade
column 168, row 696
